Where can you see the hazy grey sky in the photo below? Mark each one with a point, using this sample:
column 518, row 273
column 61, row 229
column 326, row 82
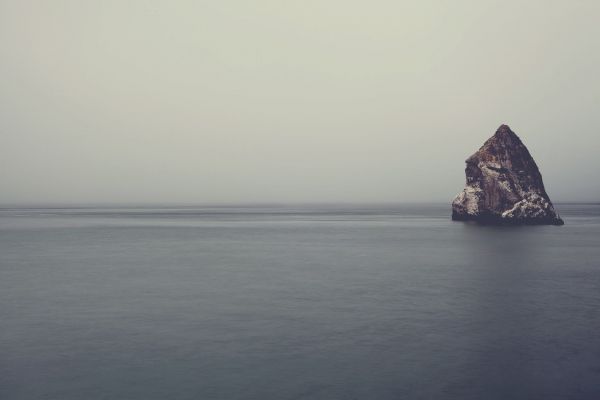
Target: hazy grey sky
column 254, row 101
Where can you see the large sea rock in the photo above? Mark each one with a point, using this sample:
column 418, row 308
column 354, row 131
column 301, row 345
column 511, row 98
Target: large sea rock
column 504, row 185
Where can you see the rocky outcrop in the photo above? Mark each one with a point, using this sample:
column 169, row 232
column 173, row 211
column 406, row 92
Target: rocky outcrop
column 504, row 185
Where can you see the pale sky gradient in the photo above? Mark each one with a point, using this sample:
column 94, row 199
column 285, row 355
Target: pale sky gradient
column 290, row 101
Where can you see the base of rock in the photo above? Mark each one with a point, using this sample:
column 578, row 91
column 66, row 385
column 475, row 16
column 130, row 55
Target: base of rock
column 495, row 219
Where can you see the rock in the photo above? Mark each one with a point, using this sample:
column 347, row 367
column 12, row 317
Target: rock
column 504, row 185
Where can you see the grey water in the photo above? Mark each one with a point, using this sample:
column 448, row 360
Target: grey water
column 296, row 302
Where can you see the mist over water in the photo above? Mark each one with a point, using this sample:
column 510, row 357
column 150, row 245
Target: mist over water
column 270, row 101
column 302, row 302
column 229, row 102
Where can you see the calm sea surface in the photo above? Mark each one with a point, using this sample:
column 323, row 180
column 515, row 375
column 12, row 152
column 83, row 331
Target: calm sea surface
column 307, row 302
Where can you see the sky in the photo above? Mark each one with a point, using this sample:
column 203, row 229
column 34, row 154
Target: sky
column 236, row 101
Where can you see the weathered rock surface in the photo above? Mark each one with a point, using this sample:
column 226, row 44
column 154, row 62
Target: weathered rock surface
column 504, row 185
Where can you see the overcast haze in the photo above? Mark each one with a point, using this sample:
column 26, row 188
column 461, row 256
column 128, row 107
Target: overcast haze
column 277, row 101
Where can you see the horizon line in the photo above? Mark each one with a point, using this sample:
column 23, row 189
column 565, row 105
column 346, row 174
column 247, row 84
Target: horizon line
column 86, row 204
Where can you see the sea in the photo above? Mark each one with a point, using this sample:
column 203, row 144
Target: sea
column 280, row 302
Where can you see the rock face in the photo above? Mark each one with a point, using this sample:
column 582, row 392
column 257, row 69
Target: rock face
column 504, row 185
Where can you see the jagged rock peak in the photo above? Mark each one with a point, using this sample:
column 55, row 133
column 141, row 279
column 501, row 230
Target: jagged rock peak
column 504, row 185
